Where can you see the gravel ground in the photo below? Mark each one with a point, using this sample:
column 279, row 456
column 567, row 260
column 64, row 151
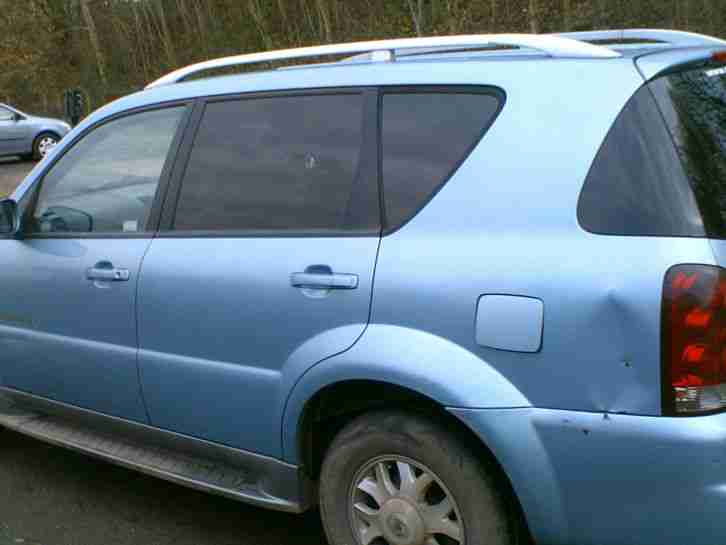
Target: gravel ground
column 50, row 496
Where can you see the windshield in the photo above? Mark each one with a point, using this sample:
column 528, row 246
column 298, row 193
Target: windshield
column 693, row 103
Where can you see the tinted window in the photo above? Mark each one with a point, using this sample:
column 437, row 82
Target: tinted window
column 288, row 163
column 107, row 182
column 694, row 106
column 637, row 185
column 425, row 137
column 6, row 115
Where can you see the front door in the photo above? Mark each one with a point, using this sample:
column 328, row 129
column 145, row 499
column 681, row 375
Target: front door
column 267, row 265
column 68, row 289
column 14, row 133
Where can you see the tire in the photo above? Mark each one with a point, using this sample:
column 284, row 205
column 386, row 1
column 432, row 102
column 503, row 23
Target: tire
column 43, row 143
column 386, row 443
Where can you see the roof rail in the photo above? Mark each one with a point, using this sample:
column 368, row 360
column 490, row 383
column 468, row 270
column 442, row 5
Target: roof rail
column 385, row 51
column 672, row 37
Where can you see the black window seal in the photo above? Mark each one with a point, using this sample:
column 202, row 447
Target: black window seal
column 152, row 222
column 369, row 155
column 489, row 90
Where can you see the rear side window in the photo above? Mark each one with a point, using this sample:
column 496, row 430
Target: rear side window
column 693, row 103
column 637, row 184
column 425, row 137
column 282, row 164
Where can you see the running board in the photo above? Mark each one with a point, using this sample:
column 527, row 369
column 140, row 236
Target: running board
column 184, row 460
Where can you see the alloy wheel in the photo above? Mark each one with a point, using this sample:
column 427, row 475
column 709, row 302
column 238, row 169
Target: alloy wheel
column 396, row 501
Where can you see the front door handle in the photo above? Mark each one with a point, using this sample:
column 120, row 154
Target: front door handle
column 107, row 272
column 324, row 280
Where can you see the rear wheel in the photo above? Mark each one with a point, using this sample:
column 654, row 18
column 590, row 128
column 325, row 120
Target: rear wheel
column 398, row 479
column 44, row 142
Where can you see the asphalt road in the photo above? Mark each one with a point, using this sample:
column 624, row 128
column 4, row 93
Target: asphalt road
column 12, row 172
column 50, row 496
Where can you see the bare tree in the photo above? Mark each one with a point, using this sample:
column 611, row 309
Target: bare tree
column 255, row 9
column 416, row 15
column 533, row 21
column 165, row 34
column 95, row 43
column 567, row 14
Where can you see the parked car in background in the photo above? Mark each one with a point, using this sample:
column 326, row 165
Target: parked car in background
column 455, row 290
column 28, row 136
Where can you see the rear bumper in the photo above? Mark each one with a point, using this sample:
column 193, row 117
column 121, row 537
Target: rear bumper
column 591, row 478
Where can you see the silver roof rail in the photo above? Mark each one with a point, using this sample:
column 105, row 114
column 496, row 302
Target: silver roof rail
column 385, row 51
column 671, row 37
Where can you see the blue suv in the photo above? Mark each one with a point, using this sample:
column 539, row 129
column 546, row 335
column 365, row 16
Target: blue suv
column 455, row 291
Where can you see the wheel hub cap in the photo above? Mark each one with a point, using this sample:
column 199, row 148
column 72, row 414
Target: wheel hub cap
column 45, row 145
column 402, row 525
column 395, row 501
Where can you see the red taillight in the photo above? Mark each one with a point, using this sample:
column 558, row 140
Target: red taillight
column 694, row 340
column 720, row 56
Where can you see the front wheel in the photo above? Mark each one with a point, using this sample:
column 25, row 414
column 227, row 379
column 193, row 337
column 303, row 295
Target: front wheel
column 398, row 479
column 43, row 144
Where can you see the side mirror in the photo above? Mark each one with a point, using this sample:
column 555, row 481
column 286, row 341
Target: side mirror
column 17, row 117
column 9, row 218
column 62, row 219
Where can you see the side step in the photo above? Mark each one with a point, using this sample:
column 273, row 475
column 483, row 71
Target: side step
column 221, row 470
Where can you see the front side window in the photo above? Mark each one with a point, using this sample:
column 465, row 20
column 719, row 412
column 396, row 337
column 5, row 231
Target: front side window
column 107, row 182
column 6, row 115
column 282, row 164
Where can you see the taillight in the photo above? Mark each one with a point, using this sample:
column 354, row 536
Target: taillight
column 693, row 340
column 719, row 56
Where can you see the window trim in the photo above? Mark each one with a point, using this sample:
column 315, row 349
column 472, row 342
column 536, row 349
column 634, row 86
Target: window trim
column 161, row 188
column 490, row 90
column 367, row 167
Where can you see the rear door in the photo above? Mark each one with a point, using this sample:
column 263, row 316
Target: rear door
column 68, row 290
column 264, row 264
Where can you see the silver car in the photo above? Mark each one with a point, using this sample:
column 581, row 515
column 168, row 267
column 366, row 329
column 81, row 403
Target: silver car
column 28, row 136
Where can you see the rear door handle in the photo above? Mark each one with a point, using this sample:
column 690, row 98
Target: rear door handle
column 107, row 273
column 324, row 281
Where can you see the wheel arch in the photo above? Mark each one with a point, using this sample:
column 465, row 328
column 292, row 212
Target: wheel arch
column 337, row 404
column 44, row 131
column 414, row 361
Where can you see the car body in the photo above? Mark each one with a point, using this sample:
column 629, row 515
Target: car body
column 26, row 135
column 520, row 231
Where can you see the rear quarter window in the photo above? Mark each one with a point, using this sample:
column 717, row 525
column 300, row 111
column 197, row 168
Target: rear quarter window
column 637, row 184
column 425, row 136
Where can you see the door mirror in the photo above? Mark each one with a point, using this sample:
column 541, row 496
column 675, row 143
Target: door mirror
column 62, row 219
column 17, row 117
column 9, row 220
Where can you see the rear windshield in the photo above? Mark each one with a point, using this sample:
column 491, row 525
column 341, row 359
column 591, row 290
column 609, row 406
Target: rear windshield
column 693, row 103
